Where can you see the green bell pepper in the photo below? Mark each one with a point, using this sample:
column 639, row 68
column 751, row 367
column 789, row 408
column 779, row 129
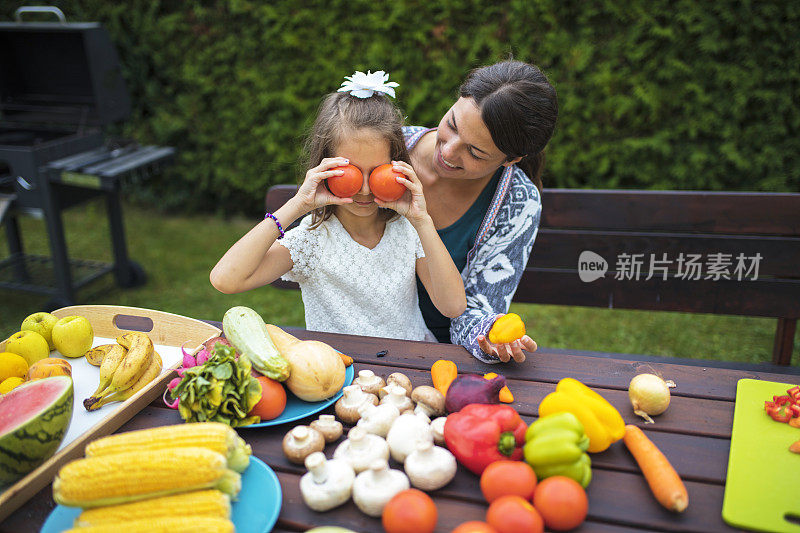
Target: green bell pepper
column 555, row 445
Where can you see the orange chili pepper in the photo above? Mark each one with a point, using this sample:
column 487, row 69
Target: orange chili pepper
column 443, row 373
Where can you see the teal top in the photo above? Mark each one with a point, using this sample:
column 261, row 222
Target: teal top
column 458, row 238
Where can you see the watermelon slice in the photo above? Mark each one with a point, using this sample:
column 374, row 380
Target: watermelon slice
column 34, row 418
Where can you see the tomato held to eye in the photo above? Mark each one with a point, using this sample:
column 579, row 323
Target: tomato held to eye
column 347, row 184
column 383, row 184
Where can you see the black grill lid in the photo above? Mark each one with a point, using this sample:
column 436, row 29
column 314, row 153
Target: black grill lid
column 64, row 73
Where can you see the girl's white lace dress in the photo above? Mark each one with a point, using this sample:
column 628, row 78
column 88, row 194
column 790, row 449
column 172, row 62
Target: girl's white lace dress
column 349, row 288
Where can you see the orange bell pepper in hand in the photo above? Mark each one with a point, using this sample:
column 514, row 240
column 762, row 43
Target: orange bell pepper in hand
column 507, row 328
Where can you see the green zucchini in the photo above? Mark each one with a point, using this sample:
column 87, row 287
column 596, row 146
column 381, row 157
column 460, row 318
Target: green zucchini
column 247, row 332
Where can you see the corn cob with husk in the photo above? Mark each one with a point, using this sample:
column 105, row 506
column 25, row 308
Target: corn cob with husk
column 125, row 477
column 172, row 524
column 211, row 503
column 215, row 436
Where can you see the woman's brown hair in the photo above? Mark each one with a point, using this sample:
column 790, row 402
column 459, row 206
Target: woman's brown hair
column 340, row 114
column 519, row 107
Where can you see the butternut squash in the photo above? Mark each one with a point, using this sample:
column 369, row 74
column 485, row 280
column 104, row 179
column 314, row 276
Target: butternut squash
column 318, row 371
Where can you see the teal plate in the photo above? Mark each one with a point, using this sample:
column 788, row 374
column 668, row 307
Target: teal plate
column 297, row 408
column 256, row 510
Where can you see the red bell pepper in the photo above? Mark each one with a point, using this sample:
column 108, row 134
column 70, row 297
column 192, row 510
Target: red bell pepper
column 480, row 434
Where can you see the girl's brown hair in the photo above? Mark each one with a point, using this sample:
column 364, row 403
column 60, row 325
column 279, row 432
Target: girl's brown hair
column 340, row 114
column 519, row 106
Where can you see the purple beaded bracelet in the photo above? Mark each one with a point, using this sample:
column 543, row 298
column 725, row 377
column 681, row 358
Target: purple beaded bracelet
column 280, row 228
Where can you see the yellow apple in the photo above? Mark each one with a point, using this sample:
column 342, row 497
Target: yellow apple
column 29, row 345
column 42, row 323
column 73, row 336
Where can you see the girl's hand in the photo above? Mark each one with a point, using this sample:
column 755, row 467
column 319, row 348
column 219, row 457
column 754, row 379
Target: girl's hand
column 412, row 204
column 313, row 193
column 508, row 351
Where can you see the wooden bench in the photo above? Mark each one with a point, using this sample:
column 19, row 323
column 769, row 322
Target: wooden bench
column 693, row 251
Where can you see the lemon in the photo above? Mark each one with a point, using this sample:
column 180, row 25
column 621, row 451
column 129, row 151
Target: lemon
column 12, row 365
column 9, row 384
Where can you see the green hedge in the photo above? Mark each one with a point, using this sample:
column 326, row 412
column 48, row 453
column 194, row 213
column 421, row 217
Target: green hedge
column 652, row 94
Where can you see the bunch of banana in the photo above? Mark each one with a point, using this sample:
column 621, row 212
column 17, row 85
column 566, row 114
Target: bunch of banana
column 126, row 368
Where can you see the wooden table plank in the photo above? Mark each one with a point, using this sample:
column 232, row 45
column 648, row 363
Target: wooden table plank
column 692, row 381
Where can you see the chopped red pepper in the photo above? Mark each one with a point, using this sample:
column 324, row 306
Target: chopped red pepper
column 794, row 392
column 782, row 400
column 781, row 413
column 795, row 410
column 769, row 406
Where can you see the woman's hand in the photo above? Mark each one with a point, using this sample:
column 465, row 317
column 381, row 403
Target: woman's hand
column 313, row 193
column 412, row 204
column 511, row 350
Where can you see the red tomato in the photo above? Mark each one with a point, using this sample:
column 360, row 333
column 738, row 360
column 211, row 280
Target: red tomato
column 562, row 502
column 383, row 185
column 273, row 399
column 474, row 526
column 347, row 184
column 512, row 514
column 502, row 478
column 410, row 511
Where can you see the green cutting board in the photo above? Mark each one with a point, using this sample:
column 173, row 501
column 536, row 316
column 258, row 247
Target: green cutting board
column 763, row 485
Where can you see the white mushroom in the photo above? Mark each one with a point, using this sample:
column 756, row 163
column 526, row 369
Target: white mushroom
column 407, row 431
column 327, row 484
column 347, row 406
column 430, row 467
column 398, row 378
column 429, row 401
column 396, row 395
column 361, row 449
column 369, row 382
column 330, row 428
column 437, row 428
column 374, row 487
column 377, row 420
column 301, row 442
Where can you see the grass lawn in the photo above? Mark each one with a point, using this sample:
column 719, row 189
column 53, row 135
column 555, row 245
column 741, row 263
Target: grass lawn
column 178, row 252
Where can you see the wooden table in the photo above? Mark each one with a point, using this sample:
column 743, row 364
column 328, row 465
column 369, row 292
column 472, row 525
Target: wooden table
column 694, row 434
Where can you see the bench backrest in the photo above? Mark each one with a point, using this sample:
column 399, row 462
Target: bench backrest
column 693, row 251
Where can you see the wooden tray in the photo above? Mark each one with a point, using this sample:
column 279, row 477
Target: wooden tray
column 111, row 321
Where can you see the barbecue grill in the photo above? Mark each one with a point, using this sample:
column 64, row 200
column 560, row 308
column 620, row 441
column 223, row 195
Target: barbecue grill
column 60, row 84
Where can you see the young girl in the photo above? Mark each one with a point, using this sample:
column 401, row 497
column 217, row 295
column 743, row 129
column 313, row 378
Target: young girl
column 354, row 258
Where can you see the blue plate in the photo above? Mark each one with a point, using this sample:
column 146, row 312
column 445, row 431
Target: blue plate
column 297, row 408
column 256, row 510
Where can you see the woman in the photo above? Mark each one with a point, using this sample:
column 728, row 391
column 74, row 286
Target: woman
column 481, row 172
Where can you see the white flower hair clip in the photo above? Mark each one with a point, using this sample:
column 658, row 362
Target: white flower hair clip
column 363, row 85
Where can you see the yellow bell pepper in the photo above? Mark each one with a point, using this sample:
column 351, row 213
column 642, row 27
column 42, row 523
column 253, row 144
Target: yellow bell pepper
column 507, row 328
column 505, row 392
column 601, row 421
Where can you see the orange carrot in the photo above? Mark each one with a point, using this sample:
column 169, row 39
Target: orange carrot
column 346, row 359
column 505, row 392
column 443, row 373
column 664, row 481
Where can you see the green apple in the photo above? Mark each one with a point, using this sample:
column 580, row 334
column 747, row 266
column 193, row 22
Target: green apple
column 42, row 323
column 29, row 345
column 73, row 336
